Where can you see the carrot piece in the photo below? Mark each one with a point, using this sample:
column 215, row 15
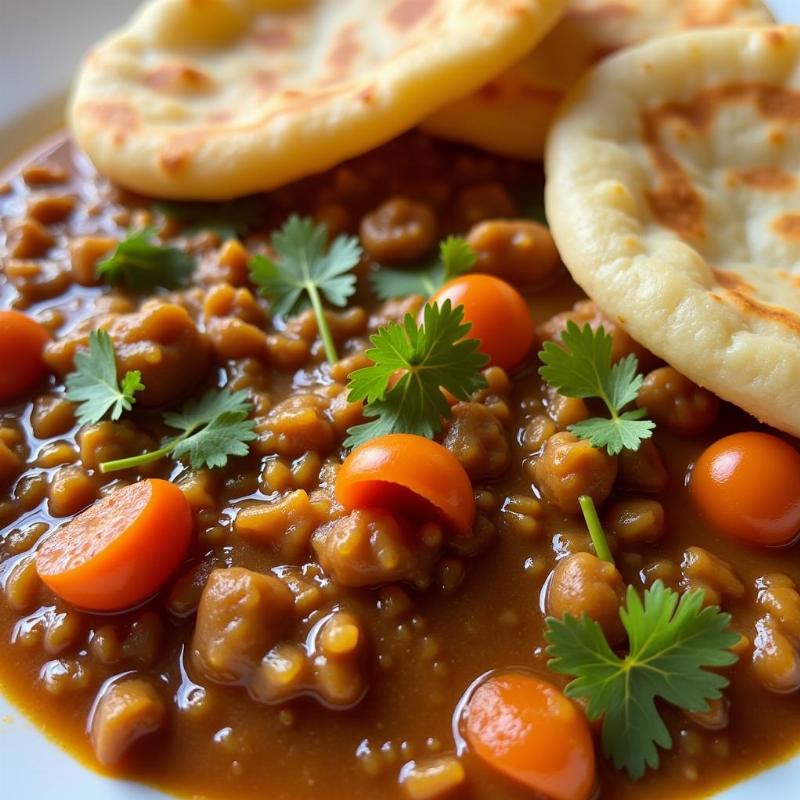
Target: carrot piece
column 525, row 728
column 410, row 474
column 22, row 365
column 120, row 550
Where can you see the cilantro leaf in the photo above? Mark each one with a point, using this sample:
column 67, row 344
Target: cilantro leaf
column 431, row 357
column 94, row 384
column 456, row 257
column 213, row 404
column 583, row 368
column 212, row 428
column 142, row 265
column 671, row 642
column 226, row 435
column 306, row 272
column 229, row 219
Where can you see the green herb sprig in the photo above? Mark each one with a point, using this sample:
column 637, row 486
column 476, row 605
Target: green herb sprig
column 142, row 265
column 427, row 358
column 456, row 258
column 212, row 428
column 582, row 368
column 672, row 641
column 94, row 385
column 305, row 272
column 595, row 528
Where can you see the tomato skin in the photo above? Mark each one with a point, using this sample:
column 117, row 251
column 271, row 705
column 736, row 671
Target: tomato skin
column 22, row 366
column 499, row 315
column 748, row 486
column 400, row 470
column 528, row 730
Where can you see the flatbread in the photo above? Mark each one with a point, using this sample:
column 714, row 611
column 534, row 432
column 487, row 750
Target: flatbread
column 210, row 99
column 673, row 194
column 512, row 113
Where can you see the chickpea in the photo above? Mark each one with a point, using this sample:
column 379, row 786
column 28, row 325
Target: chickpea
column 583, row 584
column 399, row 230
column 537, row 431
column 643, row 469
column 714, row 576
column 565, row 411
column 673, row 401
column 369, row 547
column 636, row 521
column 587, row 311
column 483, row 201
column 478, row 441
column 520, row 251
column 776, row 653
column 85, row 252
column 28, row 238
column 570, row 467
column 125, row 711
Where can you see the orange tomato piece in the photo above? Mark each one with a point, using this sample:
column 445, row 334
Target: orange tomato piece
column 410, row 474
column 499, row 315
column 22, row 365
column 748, row 486
column 121, row 550
column 528, row 730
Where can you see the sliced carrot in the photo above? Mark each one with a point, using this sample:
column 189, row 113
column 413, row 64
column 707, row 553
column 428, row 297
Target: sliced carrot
column 121, row 550
column 410, row 474
column 22, row 365
column 525, row 728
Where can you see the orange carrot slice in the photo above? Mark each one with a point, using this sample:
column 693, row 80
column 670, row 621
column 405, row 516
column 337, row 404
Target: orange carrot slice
column 120, row 550
column 22, row 366
column 525, row 728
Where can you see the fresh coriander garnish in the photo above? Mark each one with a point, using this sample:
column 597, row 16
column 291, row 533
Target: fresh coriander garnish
column 583, row 368
column 142, row 265
column 94, row 385
column 229, row 219
column 212, row 428
column 428, row 358
column 306, row 271
column 596, row 532
column 456, row 257
column 671, row 641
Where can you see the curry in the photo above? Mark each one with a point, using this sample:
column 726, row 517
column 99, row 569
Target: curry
column 282, row 622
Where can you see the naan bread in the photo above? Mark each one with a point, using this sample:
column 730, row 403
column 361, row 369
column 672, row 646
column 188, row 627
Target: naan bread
column 210, row 99
column 512, row 114
column 673, row 194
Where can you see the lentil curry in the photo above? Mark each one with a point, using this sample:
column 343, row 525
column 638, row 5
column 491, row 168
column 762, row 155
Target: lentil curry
column 273, row 633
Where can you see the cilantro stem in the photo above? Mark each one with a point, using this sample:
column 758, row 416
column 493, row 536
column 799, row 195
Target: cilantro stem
column 140, row 460
column 595, row 529
column 322, row 323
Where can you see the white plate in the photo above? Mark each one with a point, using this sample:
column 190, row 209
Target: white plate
column 40, row 43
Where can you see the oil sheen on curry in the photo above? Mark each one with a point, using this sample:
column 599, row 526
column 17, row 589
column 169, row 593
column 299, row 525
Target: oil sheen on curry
column 347, row 490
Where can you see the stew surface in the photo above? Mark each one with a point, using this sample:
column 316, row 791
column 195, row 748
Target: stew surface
column 425, row 615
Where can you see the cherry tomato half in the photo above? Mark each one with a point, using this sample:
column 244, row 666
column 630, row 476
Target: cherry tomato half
column 748, row 486
column 526, row 729
column 22, row 366
column 499, row 315
column 410, row 474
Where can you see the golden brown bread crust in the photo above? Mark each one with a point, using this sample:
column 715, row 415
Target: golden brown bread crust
column 210, row 99
column 673, row 197
column 511, row 114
